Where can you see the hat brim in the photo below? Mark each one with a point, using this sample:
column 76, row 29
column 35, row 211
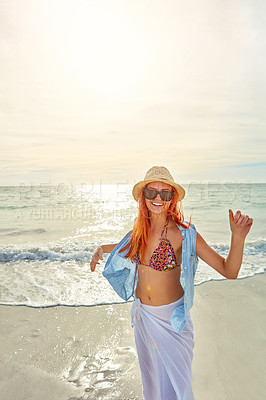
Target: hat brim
column 140, row 185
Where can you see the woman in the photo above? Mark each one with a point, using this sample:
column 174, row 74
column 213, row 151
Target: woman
column 156, row 264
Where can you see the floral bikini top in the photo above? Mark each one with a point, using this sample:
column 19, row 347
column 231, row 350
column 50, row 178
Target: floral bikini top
column 163, row 257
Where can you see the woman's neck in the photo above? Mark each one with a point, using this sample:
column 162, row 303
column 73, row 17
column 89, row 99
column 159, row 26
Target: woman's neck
column 157, row 221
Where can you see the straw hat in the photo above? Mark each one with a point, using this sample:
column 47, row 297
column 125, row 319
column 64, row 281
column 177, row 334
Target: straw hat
column 158, row 174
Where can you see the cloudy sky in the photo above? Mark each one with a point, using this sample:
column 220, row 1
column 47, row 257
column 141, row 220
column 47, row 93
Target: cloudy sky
column 100, row 90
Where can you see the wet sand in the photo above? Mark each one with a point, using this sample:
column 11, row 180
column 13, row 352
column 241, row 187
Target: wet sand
column 89, row 353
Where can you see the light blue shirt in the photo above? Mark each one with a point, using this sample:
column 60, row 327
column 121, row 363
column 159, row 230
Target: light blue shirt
column 122, row 274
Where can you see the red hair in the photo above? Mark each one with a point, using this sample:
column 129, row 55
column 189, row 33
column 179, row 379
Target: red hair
column 138, row 241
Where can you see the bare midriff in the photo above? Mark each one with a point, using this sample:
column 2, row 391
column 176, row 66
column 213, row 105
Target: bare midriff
column 157, row 288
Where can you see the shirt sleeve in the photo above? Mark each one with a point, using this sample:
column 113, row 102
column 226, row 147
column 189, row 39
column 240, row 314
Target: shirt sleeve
column 120, row 271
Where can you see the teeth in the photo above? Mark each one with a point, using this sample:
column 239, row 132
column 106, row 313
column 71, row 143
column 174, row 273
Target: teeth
column 157, row 204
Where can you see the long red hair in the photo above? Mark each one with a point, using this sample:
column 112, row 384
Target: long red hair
column 139, row 238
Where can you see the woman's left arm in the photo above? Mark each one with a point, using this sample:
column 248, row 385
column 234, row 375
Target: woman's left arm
column 229, row 267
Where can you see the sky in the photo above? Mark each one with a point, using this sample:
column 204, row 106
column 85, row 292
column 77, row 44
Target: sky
column 98, row 91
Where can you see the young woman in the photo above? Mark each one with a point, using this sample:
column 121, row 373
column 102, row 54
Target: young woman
column 156, row 264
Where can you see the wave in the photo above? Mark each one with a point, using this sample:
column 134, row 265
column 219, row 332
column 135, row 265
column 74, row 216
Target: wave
column 60, row 252
column 41, row 255
column 80, row 251
column 26, row 304
column 13, row 207
column 26, row 231
column 245, row 275
column 18, row 232
column 254, row 247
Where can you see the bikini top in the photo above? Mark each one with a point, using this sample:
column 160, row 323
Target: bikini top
column 163, row 257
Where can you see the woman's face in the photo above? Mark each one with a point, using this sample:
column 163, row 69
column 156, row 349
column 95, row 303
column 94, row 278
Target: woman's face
column 157, row 205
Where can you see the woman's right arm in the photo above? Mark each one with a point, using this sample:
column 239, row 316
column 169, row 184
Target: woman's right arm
column 98, row 254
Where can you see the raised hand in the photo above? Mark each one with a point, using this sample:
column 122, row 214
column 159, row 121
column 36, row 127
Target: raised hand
column 240, row 224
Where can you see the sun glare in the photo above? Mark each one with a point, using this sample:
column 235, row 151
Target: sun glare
column 109, row 54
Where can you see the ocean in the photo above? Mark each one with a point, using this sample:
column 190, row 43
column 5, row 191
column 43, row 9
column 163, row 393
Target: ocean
column 49, row 233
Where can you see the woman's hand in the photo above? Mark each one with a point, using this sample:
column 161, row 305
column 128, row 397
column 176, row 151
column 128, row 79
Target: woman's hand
column 98, row 255
column 240, row 224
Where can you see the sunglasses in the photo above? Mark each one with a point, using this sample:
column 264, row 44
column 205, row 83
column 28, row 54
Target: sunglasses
column 151, row 194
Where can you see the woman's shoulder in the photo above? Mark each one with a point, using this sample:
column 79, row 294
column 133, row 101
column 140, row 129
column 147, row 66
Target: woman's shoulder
column 185, row 226
column 188, row 232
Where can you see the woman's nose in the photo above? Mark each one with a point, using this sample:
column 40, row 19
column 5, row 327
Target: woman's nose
column 158, row 197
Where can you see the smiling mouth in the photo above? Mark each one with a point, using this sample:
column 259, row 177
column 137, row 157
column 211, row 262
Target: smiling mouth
column 157, row 204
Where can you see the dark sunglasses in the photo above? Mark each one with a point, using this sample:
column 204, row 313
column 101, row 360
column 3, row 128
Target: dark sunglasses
column 151, row 194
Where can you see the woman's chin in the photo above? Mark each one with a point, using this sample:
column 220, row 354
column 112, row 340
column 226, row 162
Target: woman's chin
column 157, row 210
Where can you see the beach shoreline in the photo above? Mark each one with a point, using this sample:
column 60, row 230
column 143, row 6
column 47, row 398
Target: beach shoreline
column 81, row 353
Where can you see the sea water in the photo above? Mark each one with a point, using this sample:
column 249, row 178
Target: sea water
column 49, row 233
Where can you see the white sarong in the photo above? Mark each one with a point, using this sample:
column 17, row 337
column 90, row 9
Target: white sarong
column 165, row 356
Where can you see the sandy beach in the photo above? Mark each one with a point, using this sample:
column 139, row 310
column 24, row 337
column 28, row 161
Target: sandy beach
column 63, row 353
